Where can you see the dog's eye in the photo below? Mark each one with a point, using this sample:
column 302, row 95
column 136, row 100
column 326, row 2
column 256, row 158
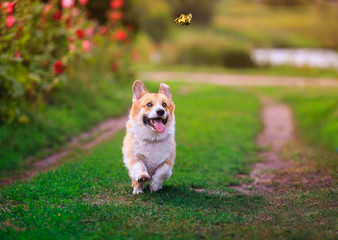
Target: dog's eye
column 149, row 104
column 164, row 105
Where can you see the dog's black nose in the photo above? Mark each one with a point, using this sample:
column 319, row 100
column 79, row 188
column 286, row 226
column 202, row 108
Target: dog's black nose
column 160, row 112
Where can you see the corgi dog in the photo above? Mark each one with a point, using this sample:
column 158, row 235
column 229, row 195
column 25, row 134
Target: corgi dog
column 149, row 147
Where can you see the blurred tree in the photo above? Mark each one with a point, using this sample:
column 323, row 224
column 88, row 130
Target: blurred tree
column 154, row 18
column 202, row 10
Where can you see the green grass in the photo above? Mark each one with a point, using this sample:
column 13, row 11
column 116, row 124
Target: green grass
column 67, row 113
column 316, row 117
column 90, row 197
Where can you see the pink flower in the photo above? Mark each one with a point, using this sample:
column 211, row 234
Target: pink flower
column 67, row 3
column 86, row 45
column 59, row 67
column 103, row 30
column 121, row 35
column 89, row 31
column 71, row 39
column 47, row 8
column 10, row 20
column 71, row 47
column 83, row 2
column 116, row 4
column 17, row 54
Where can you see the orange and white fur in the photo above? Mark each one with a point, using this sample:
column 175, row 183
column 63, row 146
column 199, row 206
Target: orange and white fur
column 149, row 147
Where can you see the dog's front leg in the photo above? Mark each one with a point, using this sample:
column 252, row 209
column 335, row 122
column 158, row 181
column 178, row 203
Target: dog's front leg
column 139, row 175
column 163, row 172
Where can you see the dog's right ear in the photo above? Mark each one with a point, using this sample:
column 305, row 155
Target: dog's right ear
column 138, row 90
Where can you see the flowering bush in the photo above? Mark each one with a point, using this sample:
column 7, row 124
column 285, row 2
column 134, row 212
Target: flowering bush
column 42, row 43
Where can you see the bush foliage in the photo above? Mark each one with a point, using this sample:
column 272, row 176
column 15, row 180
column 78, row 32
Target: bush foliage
column 41, row 43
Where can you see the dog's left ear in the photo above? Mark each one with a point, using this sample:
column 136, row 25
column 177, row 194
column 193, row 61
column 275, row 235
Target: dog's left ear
column 138, row 90
column 165, row 89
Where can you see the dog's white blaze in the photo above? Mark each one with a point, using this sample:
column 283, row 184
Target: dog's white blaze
column 153, row 113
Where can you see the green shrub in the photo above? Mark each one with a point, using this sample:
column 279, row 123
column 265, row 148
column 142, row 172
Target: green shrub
column 211, row 50
column 41, row 44
column 154, row 18
column 237, row 58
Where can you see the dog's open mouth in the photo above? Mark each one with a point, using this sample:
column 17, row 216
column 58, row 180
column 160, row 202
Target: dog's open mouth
column 158, row 124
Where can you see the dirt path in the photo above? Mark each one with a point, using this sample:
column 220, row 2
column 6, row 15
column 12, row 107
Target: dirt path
column 87, row 140
column 238, row 80
column 277, row 131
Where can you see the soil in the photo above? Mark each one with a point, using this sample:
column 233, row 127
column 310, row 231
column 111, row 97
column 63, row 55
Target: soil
column 277, row 131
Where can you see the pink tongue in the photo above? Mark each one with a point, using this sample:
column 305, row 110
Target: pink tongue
column 159, row 126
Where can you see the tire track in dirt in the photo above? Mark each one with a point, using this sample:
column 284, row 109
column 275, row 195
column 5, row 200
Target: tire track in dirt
column 277, row 131
column 86, row 140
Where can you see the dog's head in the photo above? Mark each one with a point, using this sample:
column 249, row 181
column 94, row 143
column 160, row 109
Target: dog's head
column 154, row 110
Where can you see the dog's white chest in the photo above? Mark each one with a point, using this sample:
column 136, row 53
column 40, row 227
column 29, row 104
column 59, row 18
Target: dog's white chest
column 153, row 154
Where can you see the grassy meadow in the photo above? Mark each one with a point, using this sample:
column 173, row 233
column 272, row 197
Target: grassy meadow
column 90, row 196
column 67, row 113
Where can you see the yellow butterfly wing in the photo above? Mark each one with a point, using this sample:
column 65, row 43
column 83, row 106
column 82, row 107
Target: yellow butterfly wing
column 188, row 18
column 183, row 19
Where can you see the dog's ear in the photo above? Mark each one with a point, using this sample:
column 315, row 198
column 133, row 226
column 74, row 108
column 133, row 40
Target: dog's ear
column 165, row 89
column 138, row 90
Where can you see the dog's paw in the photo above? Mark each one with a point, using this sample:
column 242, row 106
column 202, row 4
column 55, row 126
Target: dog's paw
column 137, row 191
column 143, row 178
column 155, row 187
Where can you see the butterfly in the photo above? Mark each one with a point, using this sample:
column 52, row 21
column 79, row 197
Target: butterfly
column 183, row 19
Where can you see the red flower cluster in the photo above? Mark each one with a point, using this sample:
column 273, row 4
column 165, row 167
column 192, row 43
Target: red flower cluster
column 83, row 2
column 115, row 16
column 121, row 35
column 59, row 67
column 116, row 4
column 8, row 8
column 80, row 34
column 57, row 15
